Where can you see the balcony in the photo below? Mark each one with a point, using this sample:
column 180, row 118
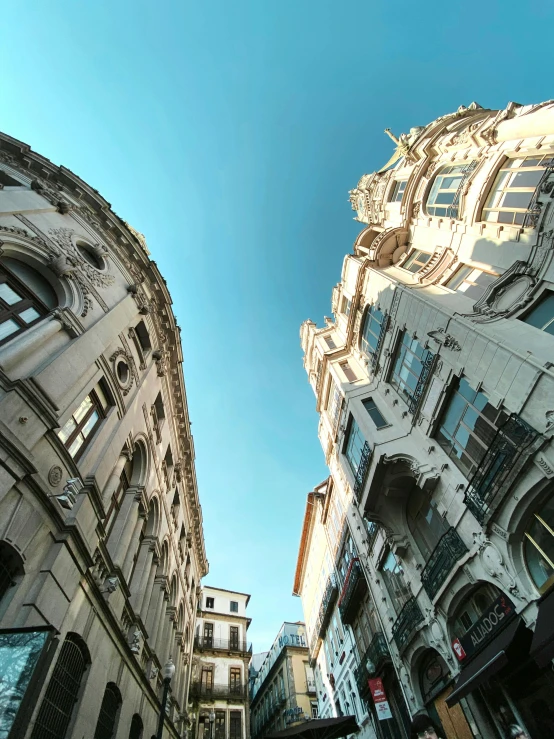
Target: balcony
column 355, row 587
column 445, row 555
column 234, row 693
column 405, row 625
column 207, row 643
column 361, row 472
column 509, row 450
column 326, row 607
column 375, row 656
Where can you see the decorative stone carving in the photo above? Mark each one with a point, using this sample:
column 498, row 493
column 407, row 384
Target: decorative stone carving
column 55, row 475
column 544, row 465
column 446, row 340
column 437, row 639
column 135, row 641
column 125, row 383
column 494, row 565
column 161, row 357
column 110, row 585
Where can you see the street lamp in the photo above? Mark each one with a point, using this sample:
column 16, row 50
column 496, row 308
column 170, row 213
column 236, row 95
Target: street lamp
column 211, row 717
column 167, row 672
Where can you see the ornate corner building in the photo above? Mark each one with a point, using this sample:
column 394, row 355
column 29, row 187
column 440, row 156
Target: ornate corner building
column 218, row 696
column 101, row 539
column 435, row 388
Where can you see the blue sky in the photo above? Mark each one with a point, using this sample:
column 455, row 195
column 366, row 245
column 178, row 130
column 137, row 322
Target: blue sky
column 229, row 133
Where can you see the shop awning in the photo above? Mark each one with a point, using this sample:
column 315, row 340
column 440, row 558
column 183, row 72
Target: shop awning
column 510, row 645
column 322, row 728
column 542, row 646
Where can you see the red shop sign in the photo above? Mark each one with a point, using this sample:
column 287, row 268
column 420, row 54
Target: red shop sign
column 379, row 698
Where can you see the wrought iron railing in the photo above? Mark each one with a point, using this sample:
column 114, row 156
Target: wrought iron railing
column 373, row 529
column 374, row 358
column 329, row 597
column 405, row 625
column 225, row 645
column 428, row 363
column 354, row 582
column 375, row 655
column 231, row 691
column 493, row 477
column 361, row 472
column 453, row 209
column 443, row 558
column 532, row 216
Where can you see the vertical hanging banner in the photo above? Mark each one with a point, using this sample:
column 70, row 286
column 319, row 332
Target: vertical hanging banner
column 379, row 698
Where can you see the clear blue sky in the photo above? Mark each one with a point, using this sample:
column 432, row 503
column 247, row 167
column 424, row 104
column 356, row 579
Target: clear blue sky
column 229, row 133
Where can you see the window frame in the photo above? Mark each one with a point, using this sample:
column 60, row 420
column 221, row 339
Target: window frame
column 353, row 428
column 397, row 190
column 470, row 269
column 395, row 378
column 413, row 258
column 231, row 608
column 14, row 311
column 370, row 320
column 546, row 294
column 451, row 210
column 208, row 599
column 96, row 406
column 385, row 423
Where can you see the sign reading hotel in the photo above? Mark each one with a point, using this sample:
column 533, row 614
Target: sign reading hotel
column 494, row 618
column 379, row 696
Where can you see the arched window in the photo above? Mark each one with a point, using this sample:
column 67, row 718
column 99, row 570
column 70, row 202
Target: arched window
column 135, row 732
column 25, row 297
column 62, row 692
column 426, row 524
column 109, row 709
column 474, row 606
column 434, row 675
column 444, row 196
column 11, row 568
column 513, row 190
column 539, row 546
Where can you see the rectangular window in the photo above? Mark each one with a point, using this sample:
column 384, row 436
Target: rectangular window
column 6, row 180
column 19, row 308
column 233, row 637
column 397, row 191
column 208, row 634
column 315, row 712
column 330, row 343
column 443, row 198
column 207, row 679
column 395, row 580
column 374, row 413
column 234, row 680
column 371, row 330
column 335, row 406
column 209, row 602
column 235, row 725
column 348, row 372
column 219, row 726
column 85, row 419
column 234, row 606
column 542, row 315
column 346, row 305
column 416, row 261
column 470, row 281
column 354, row 446
column 410, row 361
column 513, row 190
column 468, row 426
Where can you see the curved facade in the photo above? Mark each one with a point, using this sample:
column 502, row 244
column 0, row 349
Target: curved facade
column 435, row 391
column 101, row 540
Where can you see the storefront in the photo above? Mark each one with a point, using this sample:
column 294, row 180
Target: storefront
column 435, row 683
column 503, row 681
column 394, row 723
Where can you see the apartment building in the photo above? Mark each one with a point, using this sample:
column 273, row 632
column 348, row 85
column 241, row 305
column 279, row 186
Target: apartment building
column 434, row 385
column 219, row 689
column 101, row 537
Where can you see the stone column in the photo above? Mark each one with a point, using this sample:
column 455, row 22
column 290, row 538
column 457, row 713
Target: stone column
column 128, row 561
column 165, row 643
column 24, row 346
column 113, row 481
column 158, row 610
column 142, row 573
column 124, row 528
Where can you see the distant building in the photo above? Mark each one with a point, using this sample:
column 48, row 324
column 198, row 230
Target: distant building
column 434, row 385
column 283, row 691
column 101, row 537
column 218, row 695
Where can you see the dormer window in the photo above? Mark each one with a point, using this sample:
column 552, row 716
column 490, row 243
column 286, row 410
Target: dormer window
column 444, row 197
column 416, row 261
column 397, row 192
column 513, row 190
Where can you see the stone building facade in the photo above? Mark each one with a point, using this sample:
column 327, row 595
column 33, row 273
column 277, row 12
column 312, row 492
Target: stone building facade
column 101, row 538
column 218, row 697
column 282, row 690
column 435, row 391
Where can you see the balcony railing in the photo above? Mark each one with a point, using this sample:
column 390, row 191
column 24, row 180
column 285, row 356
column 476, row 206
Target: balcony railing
column 544, row 186
column 231, row 692
column 361, row 473
column 375, row 655
column 496, row 472
column 354, row 588
column 326, row 607
column 405, row 625
column 445, row 555
column 225, row 645
column 427, row 366
column 374, row 360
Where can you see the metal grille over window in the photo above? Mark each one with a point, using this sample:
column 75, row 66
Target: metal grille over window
column 411, row 372
column 373, row 333
column 62, row 692
column 446, row 192
column 513, row 198
column 108, row 713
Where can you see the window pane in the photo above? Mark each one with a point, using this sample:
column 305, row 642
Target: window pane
column 543, row 313
column 77, row 444
column 374, row 413
column 29, row 315
column 9, row 295
column 90, row 423
column 516, row 199
column 81, row 411
column 8, row 327
column 65, row 432
column 527, row 179
column 458, row 277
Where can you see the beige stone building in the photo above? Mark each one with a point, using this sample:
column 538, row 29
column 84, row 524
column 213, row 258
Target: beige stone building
column 435, row 391
column 101, row 540
column 282, row 688
column 218, row 696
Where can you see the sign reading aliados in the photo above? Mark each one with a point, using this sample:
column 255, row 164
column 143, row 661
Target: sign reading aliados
column 494, row 618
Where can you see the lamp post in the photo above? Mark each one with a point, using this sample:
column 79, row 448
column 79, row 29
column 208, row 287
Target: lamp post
column 168, row 671
column 211, row 717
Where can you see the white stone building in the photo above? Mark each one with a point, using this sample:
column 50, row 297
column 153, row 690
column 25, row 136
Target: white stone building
column 101, row 539
column 435, row 388
column 218, row 699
